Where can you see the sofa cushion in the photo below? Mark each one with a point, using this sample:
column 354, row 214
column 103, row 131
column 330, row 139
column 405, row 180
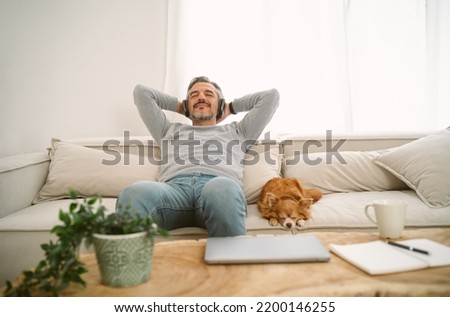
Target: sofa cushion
column 84, row 170
column 423, row 165
column 259, row 168
column 345, row 211
column 346, row 171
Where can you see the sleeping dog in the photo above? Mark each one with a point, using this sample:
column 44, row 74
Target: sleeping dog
column 286, row 202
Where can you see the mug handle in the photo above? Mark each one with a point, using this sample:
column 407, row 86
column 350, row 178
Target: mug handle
column 366, row 211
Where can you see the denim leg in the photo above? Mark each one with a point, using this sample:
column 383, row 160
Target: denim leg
column 193, row 200
column 224, row 207
column 170, row 205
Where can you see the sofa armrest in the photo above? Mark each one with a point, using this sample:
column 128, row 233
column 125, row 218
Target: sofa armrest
column 21, row 178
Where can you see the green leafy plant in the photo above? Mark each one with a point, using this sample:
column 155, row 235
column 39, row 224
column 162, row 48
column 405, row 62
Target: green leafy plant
column 61, row 266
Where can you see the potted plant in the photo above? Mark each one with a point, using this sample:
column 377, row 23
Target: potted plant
column 123, row 244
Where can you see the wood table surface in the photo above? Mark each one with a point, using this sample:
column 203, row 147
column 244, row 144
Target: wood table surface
column 178, row 269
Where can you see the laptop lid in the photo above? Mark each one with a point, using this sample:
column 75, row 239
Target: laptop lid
column 265, row 249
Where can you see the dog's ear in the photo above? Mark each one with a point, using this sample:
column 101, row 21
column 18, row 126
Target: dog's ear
column 298, row 186
column 305, row 202
column 271, row 199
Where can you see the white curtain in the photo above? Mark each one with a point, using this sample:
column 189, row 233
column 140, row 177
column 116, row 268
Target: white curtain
column 363, row 66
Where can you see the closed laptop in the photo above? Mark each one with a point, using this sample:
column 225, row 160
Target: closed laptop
column 265, row 249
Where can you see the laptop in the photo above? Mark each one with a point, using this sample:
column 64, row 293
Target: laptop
column 265, row 249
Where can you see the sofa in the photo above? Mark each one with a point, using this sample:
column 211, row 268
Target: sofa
column 351, row 171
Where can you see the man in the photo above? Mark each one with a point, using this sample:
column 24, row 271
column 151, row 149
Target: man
column 200, row 180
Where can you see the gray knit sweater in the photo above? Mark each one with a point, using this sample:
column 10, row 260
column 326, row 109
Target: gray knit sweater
column 216, row 150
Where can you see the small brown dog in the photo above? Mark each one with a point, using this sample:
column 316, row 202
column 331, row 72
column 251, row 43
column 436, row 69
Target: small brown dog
column 285, row 201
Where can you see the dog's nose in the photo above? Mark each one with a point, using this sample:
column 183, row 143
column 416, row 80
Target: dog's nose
column 289, row 225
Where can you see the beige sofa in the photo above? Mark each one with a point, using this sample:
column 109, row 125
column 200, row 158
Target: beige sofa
column 351, row 170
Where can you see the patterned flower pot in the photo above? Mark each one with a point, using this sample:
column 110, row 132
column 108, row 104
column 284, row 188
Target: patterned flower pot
column 124, row 260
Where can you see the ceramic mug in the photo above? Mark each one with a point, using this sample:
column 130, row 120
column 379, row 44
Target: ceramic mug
column 389, row 216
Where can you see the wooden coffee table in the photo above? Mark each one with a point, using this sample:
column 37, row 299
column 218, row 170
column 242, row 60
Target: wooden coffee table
column 179, row 270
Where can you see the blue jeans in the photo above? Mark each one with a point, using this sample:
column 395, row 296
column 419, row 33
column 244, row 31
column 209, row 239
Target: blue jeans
column 191, row 200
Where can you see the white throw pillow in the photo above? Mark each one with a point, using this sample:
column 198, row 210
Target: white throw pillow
column 91, row 172
column 346, row 171
column 258, row 170
column 424, row 165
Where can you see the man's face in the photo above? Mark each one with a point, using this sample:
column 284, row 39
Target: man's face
column 203, row 102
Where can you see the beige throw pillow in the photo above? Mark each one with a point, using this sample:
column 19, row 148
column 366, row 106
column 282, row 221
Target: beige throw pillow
column 346, row 171
column 91, row 172
column 424, row 165
column 258, row 170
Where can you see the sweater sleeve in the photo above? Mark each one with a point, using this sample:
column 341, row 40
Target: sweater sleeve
column 261, row 107
column 150, row 103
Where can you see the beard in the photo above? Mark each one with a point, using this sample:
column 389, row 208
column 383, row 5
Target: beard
column 200, row 116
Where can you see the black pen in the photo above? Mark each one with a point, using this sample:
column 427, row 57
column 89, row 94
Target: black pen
column 407, row 247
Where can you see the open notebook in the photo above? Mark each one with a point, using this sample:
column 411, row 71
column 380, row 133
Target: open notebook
column 265, row 249
column 378, row 257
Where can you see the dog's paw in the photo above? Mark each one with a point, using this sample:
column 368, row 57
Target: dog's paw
column 301, row 222
column 273, row 222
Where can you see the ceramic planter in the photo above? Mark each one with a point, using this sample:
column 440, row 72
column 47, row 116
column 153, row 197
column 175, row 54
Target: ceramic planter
column 124, row 260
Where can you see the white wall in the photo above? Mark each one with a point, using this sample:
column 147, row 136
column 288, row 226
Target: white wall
column 68, row 68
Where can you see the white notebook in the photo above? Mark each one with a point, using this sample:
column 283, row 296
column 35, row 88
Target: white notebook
column 265, row 249
column 378, row 257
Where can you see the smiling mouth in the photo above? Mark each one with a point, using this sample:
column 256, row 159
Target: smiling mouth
column 200, row 105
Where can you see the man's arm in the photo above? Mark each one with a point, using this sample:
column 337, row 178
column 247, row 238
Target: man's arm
column 150, row 103
column 261, row 107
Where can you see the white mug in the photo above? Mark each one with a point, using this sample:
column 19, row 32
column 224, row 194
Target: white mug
column 389, row 216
